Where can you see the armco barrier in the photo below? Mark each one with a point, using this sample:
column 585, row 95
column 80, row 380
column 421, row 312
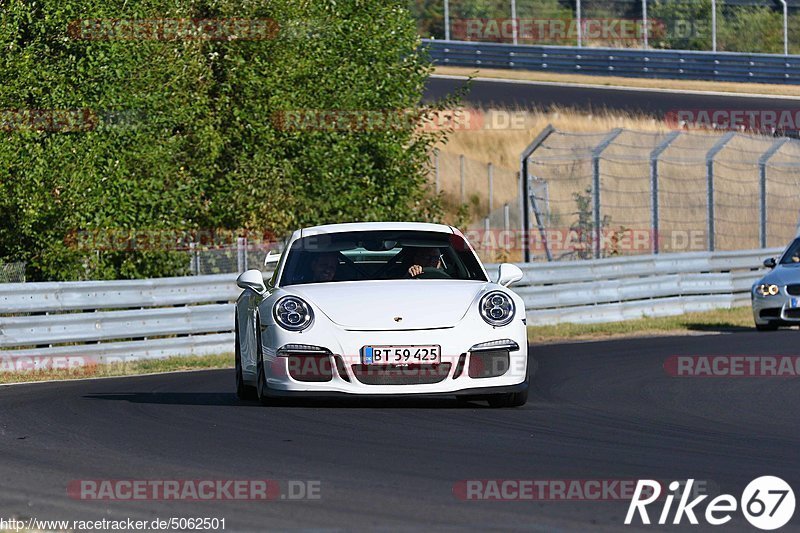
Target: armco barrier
column 604, row 290
column 642, row 63
column 136, row 319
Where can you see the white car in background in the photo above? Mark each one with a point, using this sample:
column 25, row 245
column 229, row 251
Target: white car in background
column 385, row 308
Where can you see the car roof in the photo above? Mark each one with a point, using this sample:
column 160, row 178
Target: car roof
column 373, row 226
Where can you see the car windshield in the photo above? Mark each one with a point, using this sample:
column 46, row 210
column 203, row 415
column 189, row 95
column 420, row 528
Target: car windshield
column 792, row 255
column 380, row 255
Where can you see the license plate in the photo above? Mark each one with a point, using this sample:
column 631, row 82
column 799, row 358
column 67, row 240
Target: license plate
column 793, row 303
column 399, row 355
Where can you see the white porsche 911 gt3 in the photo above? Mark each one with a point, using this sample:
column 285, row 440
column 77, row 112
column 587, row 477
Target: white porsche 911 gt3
column 385, row 308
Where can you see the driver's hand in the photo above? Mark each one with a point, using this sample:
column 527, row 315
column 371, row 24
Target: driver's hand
column 415, row 271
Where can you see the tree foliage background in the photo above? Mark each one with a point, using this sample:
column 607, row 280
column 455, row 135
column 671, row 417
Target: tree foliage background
column 184, row 137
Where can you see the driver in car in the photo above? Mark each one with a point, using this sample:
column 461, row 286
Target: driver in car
column 323, row 266
column 424, row 258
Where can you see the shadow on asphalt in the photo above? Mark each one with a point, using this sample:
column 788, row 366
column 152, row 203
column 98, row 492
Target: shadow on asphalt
column 720, row 328
column 225, row 399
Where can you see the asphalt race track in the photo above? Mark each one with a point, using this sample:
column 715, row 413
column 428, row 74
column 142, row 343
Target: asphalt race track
column 603, row 410
column 657, row 103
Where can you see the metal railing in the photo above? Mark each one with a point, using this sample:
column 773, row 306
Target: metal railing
column 676, row 64
column 607, row 290
column 105, row 321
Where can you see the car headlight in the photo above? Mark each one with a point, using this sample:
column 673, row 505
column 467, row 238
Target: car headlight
column 496, row 308
column 292, row 313
column 766, row 289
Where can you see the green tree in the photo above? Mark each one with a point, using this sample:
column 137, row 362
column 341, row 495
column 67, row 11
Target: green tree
column 181, row 133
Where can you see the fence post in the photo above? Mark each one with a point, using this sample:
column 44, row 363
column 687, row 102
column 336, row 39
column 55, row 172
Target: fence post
column 461, row 177
column 241, row 254
column 596, row 153
column 491, row 188
column 514, row 26
column 762, row 188
column 436, row 169
column 719, row 145
column 713, row 25
column 654, row 155
column 644, row 23
column 446, row 20
column 195, row 261
column 525, row 197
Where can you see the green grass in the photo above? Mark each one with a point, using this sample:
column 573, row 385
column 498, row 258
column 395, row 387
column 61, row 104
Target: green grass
column 720, row 320
column 145, row 366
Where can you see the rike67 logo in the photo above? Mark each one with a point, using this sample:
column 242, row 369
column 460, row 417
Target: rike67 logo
column 767, row 503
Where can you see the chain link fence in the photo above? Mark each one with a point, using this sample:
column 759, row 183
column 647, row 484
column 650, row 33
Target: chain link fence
column 624, row 192
column 704, row 25
column 12, row 272
column 627, row 192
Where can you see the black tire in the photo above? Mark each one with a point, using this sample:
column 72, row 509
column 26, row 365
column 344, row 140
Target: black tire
column 243, row 391
column 769, row 326
column 509, row 399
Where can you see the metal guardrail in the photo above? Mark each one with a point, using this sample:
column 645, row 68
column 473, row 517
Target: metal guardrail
column 624, row 288
column 102, row 321
column 642, row 63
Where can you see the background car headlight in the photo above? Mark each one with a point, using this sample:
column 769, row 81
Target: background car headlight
column 292, row 313
column 497, row 308
column 766, row 289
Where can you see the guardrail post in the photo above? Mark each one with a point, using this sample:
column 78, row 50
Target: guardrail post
column 525, row 197
column 598, row 150
column 654, row 155
column 719, row 145
column 762, row 188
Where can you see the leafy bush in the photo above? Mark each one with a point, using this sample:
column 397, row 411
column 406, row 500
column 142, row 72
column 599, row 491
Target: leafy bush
column 181, row 133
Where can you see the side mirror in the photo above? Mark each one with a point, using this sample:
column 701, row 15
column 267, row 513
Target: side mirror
column 770, row 262
column 508, row 274
column 252, row 279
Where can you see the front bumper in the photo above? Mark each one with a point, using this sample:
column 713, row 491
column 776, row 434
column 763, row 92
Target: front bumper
column 775, row 309
column 456, row 375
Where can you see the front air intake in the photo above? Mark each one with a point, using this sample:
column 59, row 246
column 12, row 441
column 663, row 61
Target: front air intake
column 488, row 363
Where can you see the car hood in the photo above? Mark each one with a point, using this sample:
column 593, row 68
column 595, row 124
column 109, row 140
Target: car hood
column 782, row 275
column 376, row 305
